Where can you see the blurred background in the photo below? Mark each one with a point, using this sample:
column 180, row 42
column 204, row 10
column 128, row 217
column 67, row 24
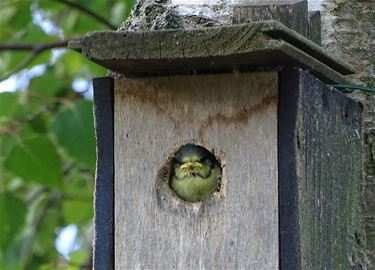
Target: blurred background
column 47, row 140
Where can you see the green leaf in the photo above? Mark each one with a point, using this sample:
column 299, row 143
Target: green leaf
column 7, row 142
column 45, row 238
column 34, row 34
column 118, row 12
column 129, row 5
column 39, row 124
column 78, row 195
column 30, row 104
column 8, row 104
column 70, row 22
column 46, row 85
column 23, row 15
column 74, row 63
column 11, row 61
column 28, row 158
column 50, row 5
column 74, row 130
column 36, row 160
column 81, row 184
column 15, row 16
column 78, row 257
column 5, row 59
column 13, row 213
column 6, row 13
column 77, row 212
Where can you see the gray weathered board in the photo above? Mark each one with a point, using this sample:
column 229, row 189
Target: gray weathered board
column 209, row 50
column 320, row 176
column 236, row 116
column 292, row 14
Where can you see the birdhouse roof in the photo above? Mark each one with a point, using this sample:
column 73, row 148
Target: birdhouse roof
column 265, row 44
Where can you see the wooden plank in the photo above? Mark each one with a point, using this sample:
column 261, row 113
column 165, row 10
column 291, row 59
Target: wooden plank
column 315, row 27
column 310, row 47
column 289, row 231
column 236, row 116
column 104, row 195
column 215, row 49
column 320, row 171
column 291, row 13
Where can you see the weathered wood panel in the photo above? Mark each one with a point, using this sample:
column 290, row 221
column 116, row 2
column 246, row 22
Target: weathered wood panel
column 212, row 49
column 349, row 32
column 315, row 27
column 291, row 13
column 237, row 228
column 104, row 195
column 321, row 223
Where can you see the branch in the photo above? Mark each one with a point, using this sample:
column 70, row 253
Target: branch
column 88, row 12
column 36, row 48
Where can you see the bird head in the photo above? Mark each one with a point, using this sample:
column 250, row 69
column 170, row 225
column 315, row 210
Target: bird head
column 195, row 174
column 192, row 160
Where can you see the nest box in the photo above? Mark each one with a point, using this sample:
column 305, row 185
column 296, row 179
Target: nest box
column 256, row 97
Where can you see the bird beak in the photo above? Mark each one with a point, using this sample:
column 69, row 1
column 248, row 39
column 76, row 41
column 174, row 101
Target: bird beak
column 191, row 166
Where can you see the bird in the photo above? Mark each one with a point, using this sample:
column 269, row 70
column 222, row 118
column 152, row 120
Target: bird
column 196, row 173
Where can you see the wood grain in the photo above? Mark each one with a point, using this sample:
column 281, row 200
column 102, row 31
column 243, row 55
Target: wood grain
column 320, row 161
column 236, row 116
column 208, row 50
column 292, row 14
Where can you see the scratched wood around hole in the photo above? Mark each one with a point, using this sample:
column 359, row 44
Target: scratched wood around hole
column 236, row 115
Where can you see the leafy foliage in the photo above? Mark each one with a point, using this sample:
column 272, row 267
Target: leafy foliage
column 35, row 160
column 71, row 124
column 15, row 218
column 47, row 143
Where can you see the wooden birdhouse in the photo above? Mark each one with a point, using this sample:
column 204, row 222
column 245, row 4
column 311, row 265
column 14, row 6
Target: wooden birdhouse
column 256, row 99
